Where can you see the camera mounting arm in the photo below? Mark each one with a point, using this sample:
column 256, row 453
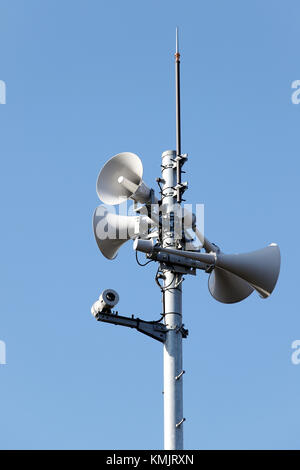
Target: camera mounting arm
column 155, row 329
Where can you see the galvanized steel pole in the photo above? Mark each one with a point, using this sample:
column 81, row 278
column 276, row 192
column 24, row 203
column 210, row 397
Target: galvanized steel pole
column 172, row 292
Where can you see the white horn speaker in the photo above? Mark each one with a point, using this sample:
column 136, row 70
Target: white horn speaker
column 121, row 178
column 227, row 287
column 258, row 268
column 112, row 230
column 233, row 277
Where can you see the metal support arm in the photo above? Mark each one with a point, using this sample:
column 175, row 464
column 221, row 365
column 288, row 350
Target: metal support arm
column 153, row 329
column 177, row 263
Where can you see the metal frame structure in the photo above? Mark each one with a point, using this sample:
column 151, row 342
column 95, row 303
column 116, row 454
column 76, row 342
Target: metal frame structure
column 232, row 277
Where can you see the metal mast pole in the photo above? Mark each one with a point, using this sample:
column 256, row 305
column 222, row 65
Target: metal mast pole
column 172, row 293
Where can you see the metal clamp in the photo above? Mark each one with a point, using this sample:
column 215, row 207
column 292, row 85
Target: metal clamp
column 180, row 375
column 180, row 423
column 183, row 331
column 182, row 158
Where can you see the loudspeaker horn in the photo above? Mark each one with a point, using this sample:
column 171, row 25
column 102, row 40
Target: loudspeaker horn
column 112, row 230
column 260, row 269
column 227, row 287
column 233, row 277
column 121, row 178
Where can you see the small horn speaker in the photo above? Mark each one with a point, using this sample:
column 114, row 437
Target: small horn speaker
column 121, row 178
column 112, row 231
column 260, row 269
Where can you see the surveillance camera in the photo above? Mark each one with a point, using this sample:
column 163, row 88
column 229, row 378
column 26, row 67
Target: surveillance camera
column 108, row 299
column 96, row 308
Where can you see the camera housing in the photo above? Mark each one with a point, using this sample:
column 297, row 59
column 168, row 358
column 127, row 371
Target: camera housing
column 107, row 300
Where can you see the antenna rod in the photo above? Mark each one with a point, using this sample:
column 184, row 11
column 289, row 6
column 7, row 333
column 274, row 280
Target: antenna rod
column 178, row 123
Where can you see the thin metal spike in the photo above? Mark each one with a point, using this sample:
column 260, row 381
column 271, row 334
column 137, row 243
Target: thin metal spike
column 178, row 130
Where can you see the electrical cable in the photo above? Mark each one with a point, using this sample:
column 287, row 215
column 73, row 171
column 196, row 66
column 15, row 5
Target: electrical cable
column 141, row 264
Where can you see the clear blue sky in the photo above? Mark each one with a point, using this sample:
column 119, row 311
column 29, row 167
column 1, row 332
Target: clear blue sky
column 86, row 80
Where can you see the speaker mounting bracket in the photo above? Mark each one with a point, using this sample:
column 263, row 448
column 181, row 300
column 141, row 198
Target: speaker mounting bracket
column 178, row 269
column 177, row 263
column 209, row 268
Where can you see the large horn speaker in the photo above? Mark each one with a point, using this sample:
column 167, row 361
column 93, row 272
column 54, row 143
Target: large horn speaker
column 112, row 231
column 259, row 268
column 227, row 287
column 233, row 277
column 121, row 178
